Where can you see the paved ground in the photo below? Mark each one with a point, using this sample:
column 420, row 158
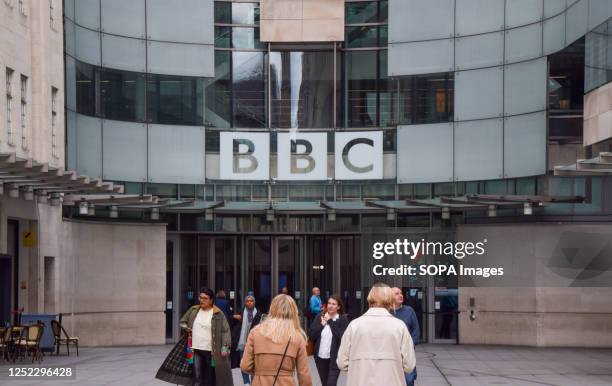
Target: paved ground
column 437, row 365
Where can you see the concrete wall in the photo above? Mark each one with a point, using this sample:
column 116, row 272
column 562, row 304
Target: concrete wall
column 539, row 303
column 598, row 115
column 112, row 282
column 31, row 44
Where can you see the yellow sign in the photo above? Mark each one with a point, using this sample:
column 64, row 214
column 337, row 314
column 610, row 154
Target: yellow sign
column 28, row 239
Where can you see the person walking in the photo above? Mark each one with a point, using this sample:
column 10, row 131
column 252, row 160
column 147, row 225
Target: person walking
column 376, row 348
column 315, row 304
column 250, row 318
column 210, row 336
column 406, row 314
column 326, row 332
column 223, row 304
column 276, row 348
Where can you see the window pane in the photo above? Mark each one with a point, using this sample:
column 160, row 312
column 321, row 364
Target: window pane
column 387, row 93
column 361, row 88
column 362, row 12
column 306, row 192
column 223, row 12
column 122, row 95
column 361, row 36
column 245, row 13
column 245, row 37
column 383, row 13
column 223, row 36
column 175, row 100
column 426, row 99
column 85, row 89
column 218, row 93
column 249, row 89
column 302, row 89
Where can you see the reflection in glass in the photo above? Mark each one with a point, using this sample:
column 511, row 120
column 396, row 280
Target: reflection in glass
column 302, row 89
column 259, row 262
column 218, row 93
column 246, row 37
column 361, row 88
column 85, row 88
column 122, row 95
column 175, row 100
column 245, row 13
column 249, row 89
column 361, row 36
column 362, row 12
column 426, row 98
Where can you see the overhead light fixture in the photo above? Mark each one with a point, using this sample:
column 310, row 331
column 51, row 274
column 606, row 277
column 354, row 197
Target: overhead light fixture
column 269, row 215
column 28, row 193
column 83, row 208
column 492, row 210
column 331, row 215
column 91, row 210
column 56, row 199
column 208, row 215
column 390, row 214
column 113, row 212
column 446, row 213
column 155, row 214
column 13, row 191
column 527, row 209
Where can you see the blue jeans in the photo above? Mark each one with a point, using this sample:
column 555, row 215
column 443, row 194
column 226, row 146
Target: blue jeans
column 411, row 377
column 246, row 378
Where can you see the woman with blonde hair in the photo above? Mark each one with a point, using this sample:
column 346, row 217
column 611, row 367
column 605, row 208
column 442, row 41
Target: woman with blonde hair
column 277, row 347
column 377, row 348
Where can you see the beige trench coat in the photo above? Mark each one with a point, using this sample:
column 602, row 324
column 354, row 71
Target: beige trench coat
column 376, row 350
column 262, row 358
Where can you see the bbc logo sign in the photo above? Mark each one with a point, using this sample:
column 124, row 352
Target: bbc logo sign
column 302, row 156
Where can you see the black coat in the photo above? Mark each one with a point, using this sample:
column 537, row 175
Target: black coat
column 236, row 327
column 337, row 328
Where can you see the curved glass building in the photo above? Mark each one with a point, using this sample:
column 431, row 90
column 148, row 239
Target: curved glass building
column 280, row 132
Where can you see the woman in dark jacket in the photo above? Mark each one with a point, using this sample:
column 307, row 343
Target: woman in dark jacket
column 326, row 332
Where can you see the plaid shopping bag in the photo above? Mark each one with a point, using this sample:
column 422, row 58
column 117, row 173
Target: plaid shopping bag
column 178, row 365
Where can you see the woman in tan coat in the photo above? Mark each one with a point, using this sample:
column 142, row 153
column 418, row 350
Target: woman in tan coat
column 277, row 347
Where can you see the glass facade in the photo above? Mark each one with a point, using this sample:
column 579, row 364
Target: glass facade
column 598, row 66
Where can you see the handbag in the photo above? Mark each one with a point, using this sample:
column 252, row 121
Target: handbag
column 176, row 368
column 281, row 363
column 310, row 347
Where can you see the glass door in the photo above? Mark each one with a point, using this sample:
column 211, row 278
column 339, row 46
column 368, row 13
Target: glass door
column 348, row 274
column 289, row 259
column 258, row 261
column 226, row 277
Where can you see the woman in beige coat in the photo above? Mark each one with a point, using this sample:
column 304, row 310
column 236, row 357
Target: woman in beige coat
column 277, row 346
column 376, row 348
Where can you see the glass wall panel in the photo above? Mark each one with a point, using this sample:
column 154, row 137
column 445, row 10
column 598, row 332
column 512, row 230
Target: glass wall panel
column 302, row 89
column 426, row 98
column 223, row 37
column 361, row 36
column 362, row 12
column 249, row 89
column 306, row 192
column 218, row 93
column 361, row 88
column 122, row 95
column 85, row 89
column 245, row 13
column 233, row 192
column 246, row 37
column 223, row 12
column 175, row 100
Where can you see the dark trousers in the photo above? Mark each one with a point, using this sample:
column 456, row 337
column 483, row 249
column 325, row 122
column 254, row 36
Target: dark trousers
column 203, row 372
column 328, row 371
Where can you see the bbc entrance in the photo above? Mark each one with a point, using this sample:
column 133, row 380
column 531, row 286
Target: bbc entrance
column 264, row 265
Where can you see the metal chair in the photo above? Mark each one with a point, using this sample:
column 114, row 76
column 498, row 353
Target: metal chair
column 30, row 342
column 5, row 334
column 58, row 330
column 15, row 337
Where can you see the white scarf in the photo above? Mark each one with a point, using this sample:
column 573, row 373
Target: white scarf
column 244, row 329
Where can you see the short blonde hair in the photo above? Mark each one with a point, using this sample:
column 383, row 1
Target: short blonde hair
column 381, row 295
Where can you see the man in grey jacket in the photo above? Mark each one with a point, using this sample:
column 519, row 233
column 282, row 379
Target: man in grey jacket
column 407, row 315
